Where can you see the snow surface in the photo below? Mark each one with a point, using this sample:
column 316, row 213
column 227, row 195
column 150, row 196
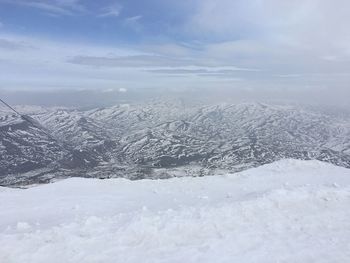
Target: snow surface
column 288, row 211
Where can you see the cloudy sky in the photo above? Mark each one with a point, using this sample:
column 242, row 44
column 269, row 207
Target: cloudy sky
column 236, row 44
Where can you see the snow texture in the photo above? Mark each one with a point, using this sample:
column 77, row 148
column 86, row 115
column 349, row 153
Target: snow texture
column 288, row 211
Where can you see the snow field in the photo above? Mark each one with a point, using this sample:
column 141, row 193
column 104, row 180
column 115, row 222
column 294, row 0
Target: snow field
column 289, row 211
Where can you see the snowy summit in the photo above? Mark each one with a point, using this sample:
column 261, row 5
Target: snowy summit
column 288, row 211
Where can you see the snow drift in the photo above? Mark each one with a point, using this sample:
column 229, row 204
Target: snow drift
column 288, row 211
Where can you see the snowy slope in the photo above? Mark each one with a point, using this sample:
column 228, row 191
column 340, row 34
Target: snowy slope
column 288, row 211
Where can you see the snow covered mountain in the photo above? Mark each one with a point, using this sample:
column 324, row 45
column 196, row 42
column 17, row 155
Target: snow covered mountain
column 288, row 211
column 161, row 138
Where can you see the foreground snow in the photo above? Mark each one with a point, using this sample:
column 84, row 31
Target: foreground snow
column 289, row 211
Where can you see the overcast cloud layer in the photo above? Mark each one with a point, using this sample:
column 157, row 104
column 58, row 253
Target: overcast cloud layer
column 301, row 45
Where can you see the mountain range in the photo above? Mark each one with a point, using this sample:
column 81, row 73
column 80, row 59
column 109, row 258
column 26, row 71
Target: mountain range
column 164, row 138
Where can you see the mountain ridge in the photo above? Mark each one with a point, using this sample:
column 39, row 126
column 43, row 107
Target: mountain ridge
column 135, row 140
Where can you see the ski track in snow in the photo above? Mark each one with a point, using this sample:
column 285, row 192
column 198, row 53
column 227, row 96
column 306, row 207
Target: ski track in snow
column 288, row 211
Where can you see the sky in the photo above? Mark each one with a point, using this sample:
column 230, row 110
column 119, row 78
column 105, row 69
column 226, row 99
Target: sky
column 255, row 45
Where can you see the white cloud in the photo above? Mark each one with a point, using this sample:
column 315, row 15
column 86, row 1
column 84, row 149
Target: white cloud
column 108, row 90
column 133, row 61
column 45, row 65
column 111, row 11
column 263, row 43
column 51, row 7
column 304, row 38
column 239, row 64
column 133, row 19
column 133, row 22
column 316, row 26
